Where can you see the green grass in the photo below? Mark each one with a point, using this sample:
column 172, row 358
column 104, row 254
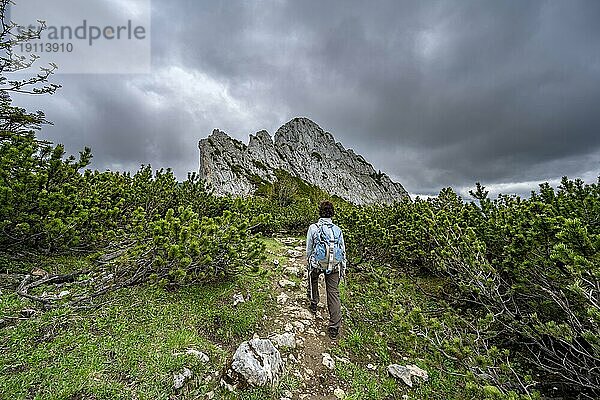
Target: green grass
column 383, row 312
column 126, row 347
column 274, row 250
column 379, row 316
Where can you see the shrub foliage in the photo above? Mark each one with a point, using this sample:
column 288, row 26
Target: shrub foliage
column 523, row 277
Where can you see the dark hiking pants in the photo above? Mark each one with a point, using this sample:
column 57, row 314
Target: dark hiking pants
column 332, row 282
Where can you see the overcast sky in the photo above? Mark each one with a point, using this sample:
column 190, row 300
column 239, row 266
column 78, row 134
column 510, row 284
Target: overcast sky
column 435, row 94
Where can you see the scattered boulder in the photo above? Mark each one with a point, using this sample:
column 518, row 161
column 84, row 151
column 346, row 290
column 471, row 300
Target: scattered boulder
column 180, row 378
column 282, row 298
column 258, row 362
column 300, row 313
column 237, row 299
column 285, row 283
column 294, row 253
column 276, row 262
column 287, row 339
column 298, row 325
column 328, row 361
column 406, row 373
column 418, row 372
column 339, row 393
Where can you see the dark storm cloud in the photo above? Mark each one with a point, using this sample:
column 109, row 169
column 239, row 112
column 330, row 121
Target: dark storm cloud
column 434, row 93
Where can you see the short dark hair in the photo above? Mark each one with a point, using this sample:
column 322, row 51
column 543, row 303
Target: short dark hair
column 326, row 209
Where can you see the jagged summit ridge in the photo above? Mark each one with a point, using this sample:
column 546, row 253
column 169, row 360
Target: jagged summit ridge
column 301, row 148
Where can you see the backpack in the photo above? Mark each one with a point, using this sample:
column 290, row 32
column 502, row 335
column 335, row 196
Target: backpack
column 327, row 252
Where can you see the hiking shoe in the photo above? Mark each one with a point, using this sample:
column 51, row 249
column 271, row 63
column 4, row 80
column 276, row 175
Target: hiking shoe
column 333, row 333
column 313, row 308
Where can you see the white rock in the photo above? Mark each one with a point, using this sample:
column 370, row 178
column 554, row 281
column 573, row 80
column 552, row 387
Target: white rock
column 180, row 378
column 258, row 361
column 339, row 393
column 299, row 326
column 304, row 314
column 294, row 253
column 285, row 283
column 288, row 327
column 210, row 395
column 418, row 372
column 405, row 373
column 276, row 262
column 287, row 339
column 237, row 299
column 371, row 367
column 400, row 372
column 328, row 361
column 282, row 298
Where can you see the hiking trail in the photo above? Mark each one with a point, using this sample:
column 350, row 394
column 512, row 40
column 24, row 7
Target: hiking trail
column 311, row 361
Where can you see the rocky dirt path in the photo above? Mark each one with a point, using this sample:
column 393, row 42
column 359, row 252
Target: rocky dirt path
column 311, row 360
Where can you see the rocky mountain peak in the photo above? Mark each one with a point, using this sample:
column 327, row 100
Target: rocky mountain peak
column 303, row 130
column 302, row 148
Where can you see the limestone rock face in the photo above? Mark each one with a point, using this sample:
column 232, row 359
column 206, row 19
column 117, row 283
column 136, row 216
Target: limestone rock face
column 302, row 149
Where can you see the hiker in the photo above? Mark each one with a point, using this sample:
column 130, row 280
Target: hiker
column 326, row 253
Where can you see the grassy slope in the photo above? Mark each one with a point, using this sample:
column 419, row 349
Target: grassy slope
column 125, row 349
column 379, row 316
